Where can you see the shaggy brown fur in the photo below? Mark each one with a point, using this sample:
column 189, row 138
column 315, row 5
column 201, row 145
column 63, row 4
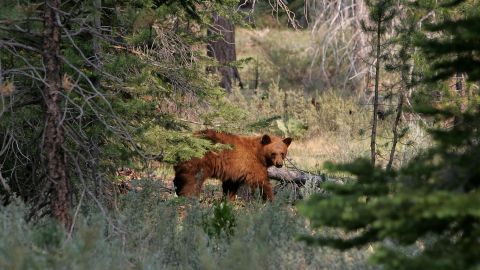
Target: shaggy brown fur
column 246, row 162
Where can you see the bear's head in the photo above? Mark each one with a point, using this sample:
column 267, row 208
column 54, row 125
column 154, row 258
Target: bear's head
column 275, row 149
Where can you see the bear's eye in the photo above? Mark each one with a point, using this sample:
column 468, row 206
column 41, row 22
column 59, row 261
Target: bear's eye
column 273, row 155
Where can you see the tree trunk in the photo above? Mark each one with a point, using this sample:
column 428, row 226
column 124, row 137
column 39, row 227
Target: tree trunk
column 375, row 99
column 298, row 177
column 287, row 176
column 395, row 131
column 407, row 81
column 97, row 4
column 222, row 49
column 54, row 155
column 93, row 146
column 460, row 91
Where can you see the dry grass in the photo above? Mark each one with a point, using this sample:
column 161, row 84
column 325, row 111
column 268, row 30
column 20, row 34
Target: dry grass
column 311, row 153
column 279, row 56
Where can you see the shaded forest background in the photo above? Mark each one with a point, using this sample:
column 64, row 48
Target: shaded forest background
column 98, row 99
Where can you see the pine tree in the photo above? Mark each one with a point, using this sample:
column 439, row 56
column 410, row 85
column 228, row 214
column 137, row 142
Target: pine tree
column 82, row 91
column 424, row 215
column 381, row 13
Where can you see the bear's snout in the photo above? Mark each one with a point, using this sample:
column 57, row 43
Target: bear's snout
column 278, row 165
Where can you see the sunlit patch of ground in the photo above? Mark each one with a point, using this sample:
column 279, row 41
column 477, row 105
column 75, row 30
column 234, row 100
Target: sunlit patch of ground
column 312, row 153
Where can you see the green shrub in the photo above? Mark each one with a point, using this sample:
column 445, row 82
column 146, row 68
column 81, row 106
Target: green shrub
column 221, row 221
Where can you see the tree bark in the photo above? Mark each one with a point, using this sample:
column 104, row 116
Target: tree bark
column 54, row 155
column 222, row 49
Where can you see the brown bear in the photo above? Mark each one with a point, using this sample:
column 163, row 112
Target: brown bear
column 245, row 163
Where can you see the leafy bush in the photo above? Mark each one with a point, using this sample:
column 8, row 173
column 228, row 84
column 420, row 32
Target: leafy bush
column 222, row 220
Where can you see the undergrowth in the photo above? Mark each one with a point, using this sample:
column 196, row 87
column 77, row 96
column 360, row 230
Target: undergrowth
column 154, row 232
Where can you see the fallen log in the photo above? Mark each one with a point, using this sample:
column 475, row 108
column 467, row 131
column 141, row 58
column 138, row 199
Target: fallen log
column 299, row 177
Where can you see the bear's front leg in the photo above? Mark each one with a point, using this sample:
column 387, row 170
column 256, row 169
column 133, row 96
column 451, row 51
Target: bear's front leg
column 267, row 191
column 261, row 182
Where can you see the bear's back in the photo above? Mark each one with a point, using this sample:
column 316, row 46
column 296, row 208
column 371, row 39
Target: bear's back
column 239, row 161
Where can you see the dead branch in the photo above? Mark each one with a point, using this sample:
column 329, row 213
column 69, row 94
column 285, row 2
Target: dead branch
column 299, row 177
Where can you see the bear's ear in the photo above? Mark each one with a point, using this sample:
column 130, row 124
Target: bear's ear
column 266, row 139
column 287, row 141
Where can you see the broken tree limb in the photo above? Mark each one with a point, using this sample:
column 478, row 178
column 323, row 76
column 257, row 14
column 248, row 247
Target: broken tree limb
column 299, row 177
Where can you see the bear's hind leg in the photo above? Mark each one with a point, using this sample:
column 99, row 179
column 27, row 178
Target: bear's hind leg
column 189, row 179
column 230, row 189
column 185, row 185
